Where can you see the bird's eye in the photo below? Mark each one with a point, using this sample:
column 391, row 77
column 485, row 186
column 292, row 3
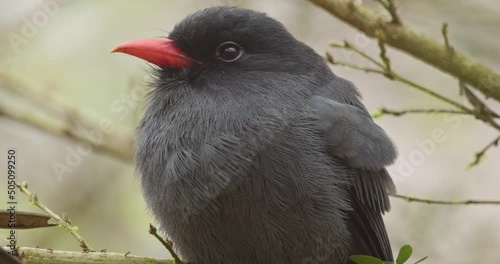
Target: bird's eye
column 229, row 51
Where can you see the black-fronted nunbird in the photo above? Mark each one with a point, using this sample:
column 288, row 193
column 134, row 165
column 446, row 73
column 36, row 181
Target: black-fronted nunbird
column 252, row 151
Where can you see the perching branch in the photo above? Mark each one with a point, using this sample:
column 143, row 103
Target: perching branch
column 168, row 244
column 420, row 46
column 48, row 256
column 33, row 199
column 444, row 202
column 43, row 256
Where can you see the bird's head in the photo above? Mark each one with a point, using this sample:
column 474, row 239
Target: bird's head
column 219, row 42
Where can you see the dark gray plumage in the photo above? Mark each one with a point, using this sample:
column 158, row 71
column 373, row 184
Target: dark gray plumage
column 6, row 258
column 267, row 159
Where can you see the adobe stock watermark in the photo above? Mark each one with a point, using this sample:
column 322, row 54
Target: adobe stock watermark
column 360, row 41
column 32, row 24
column 426, row 147
column 122, row 106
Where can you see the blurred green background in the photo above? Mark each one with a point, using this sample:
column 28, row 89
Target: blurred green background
column 67, row 58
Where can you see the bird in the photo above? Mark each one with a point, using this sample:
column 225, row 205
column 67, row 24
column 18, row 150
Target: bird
column 251, row 150
column 7, row 257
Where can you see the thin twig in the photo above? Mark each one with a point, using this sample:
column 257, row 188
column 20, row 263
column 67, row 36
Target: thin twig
column 169, row 245
column 384, row 58
column 416, row 44
column 390, row 74
column 478, row 156
column 444, row 31
column 358, row 67
column 33, row 199
column 445, row 202
column 384, row 111
column 477, row 103
column 329, row 57
column 347, row 45
column 481, row 110
column 394, row 75
column 391, row 8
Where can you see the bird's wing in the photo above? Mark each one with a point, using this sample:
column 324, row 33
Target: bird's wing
column 352, row 135
column 353, row 138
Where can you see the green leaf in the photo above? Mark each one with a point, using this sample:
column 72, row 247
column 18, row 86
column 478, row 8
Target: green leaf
column 377, row 113
column 361, row 259
column 404, row 254
column 422, row 259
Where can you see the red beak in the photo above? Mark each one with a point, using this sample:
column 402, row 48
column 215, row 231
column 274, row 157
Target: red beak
column 160, row 51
